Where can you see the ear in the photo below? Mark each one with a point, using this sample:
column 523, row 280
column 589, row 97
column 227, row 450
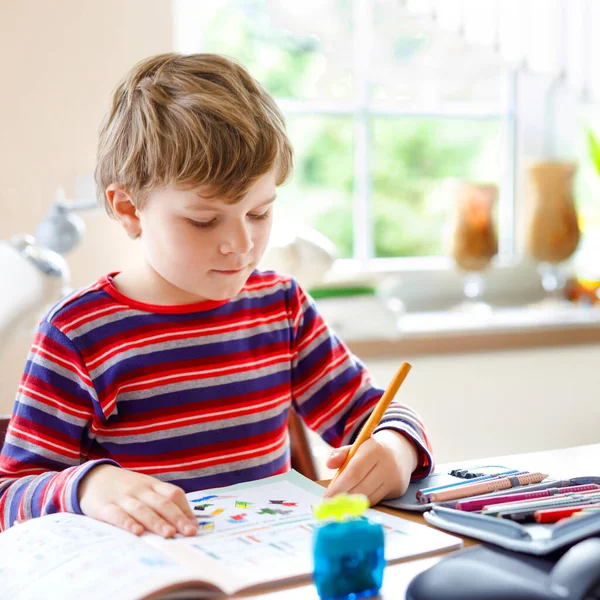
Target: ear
column 124, row 210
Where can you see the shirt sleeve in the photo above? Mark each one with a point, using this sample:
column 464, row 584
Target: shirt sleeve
column 43, row 457
column 332, row 390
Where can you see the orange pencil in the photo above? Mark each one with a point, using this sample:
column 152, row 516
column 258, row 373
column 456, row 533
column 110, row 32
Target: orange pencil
column 380, row 408
column 486, row 487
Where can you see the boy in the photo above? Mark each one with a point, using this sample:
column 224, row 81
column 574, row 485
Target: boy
column 177, row 373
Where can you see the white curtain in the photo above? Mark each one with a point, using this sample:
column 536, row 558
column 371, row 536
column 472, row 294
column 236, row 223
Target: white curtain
column 557, row 38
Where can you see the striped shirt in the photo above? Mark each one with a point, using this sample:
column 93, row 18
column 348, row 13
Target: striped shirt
column 196, row 395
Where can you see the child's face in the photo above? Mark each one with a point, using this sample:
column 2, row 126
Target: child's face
column 207, row 247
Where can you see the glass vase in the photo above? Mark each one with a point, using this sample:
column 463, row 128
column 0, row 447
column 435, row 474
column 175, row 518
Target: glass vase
column 552, row 228
column 474, row 242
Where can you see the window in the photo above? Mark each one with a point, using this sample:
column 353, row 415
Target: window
column 382, row 110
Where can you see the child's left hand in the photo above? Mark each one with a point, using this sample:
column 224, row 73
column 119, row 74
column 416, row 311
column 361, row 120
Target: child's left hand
column 380, row 469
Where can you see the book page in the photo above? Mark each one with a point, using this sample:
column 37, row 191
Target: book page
column 72, row 557
column 261, row 532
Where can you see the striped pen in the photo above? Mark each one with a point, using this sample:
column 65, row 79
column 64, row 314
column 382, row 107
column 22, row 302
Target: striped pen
column 485, row 487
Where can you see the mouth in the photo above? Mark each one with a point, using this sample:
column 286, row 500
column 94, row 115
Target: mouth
column 229, row 271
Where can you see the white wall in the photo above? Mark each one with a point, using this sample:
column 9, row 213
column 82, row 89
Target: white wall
column 60, row 61
column 496, row 403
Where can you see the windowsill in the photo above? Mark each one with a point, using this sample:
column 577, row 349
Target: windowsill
column 434, row 284
column 371, row 331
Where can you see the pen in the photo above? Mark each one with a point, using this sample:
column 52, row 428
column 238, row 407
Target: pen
column 487, row 486
column 472, row 505
column 426, row 491
column 372, row 422
column 555, row 514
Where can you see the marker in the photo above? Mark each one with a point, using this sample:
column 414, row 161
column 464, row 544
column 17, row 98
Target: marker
column 526, row 514
column 559, row 500
column 472, row 505
column 553, row 515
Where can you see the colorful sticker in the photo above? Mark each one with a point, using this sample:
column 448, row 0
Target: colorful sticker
column 217, row 512
column 205, row 527
column 204, row 498
column 238, row 518
column 242, row 504
column 267, row 511
column 201, row 506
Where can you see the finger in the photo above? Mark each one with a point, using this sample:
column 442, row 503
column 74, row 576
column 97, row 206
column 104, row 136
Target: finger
column 169, row 511
column 373, row 486
column 176, row 495
column 377, row 495
column 115, row 515
column 147, row 517
column 358, row 468
column 337, row 457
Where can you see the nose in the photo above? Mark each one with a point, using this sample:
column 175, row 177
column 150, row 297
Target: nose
column 238, row 240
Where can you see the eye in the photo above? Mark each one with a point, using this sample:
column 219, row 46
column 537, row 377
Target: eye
column 202, row 224
column 261, row 216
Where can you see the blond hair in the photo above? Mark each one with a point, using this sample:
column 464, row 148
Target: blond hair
column 189, row 121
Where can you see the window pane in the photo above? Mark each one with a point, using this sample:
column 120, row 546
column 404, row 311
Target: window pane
column 295, row 49
column 319, row 194
column 411, row 160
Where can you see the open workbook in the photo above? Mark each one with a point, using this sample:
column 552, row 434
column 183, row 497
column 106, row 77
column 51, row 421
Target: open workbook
column 250, row 535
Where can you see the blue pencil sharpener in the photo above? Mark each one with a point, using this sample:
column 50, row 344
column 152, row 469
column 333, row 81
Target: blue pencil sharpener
column 348, row 550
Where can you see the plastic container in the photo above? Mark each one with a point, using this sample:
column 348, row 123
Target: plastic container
column 348, row 559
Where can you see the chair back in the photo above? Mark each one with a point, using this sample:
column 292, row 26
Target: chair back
column 301, row 453
column 3, row 428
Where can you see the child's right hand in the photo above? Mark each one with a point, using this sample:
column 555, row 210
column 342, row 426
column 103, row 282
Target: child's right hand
column 135, row 502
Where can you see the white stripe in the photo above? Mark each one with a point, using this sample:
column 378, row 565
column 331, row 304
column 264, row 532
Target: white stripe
column 280, row 283
column 29, row 393
column 43, row 352
column 328, row 369
column 65, row 496
column 109, row 309
column 332, row 409
column 29, row 436
column 315, row 333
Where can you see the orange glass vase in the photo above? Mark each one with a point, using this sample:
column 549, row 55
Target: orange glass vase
column 474, row 242
column 552, row 228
